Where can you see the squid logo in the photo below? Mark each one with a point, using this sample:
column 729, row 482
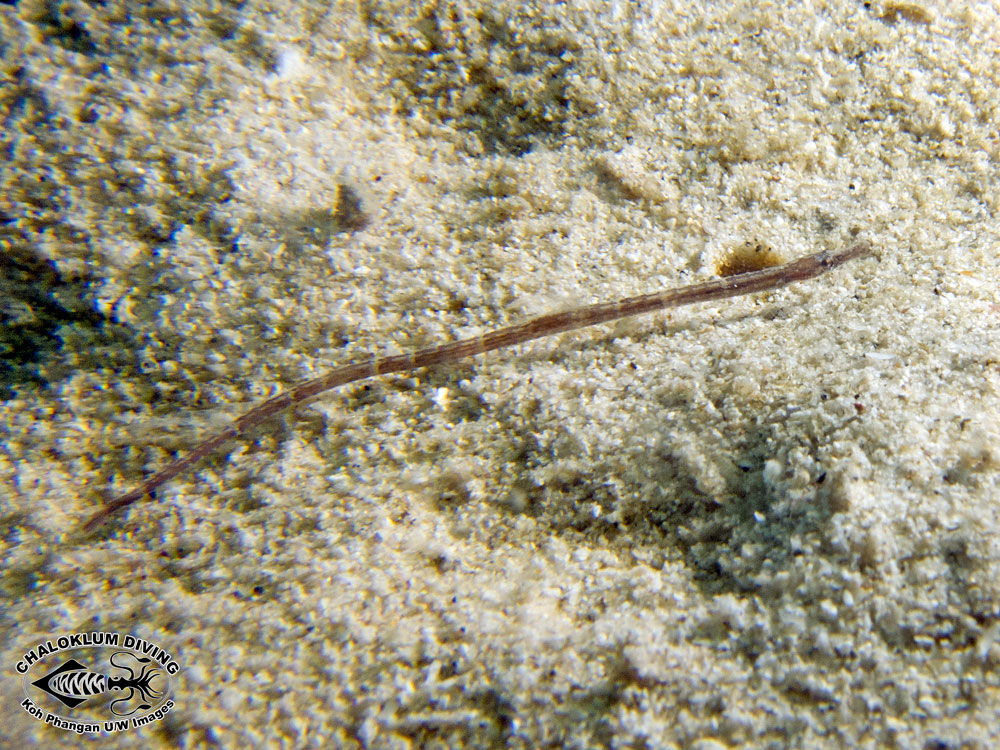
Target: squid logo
column 97, row 682
column 72, row 684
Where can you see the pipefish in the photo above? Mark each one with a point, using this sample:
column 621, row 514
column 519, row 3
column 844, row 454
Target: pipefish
column 804, row 268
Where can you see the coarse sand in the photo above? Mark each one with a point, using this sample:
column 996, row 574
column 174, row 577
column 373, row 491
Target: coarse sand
column 772, row 521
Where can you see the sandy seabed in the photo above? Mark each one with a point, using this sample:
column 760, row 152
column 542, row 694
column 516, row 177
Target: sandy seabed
column 768, row 522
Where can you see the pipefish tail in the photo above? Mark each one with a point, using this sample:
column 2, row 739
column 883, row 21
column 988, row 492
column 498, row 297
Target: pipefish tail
column 801, row 269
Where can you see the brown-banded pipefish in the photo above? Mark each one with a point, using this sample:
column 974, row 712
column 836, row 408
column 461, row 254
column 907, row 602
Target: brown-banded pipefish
column 749, row 282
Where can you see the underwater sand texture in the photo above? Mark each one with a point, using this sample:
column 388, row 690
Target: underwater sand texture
column 771, row 521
